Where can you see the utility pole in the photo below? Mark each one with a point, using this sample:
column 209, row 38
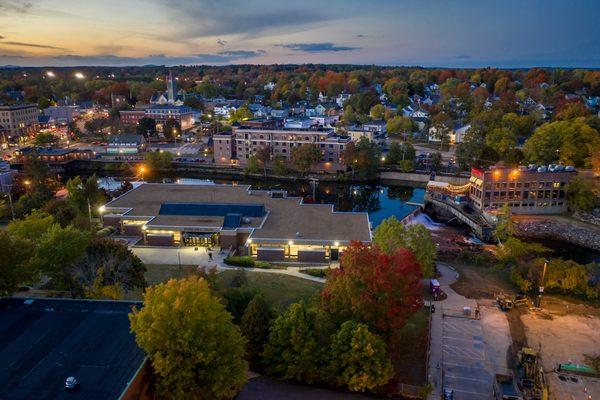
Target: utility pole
column 541, row 289
column 12, row 209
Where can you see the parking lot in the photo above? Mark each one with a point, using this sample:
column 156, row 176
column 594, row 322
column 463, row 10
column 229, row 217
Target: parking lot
column 466, row 368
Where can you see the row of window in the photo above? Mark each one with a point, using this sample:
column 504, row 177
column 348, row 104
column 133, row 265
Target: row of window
column 540, row 185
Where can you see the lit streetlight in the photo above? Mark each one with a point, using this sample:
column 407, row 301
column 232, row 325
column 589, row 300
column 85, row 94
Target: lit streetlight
column 50, row 74
column 79, row 75
column 142, row 170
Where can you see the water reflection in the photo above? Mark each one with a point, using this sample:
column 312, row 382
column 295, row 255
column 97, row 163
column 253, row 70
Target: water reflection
column 380, row 201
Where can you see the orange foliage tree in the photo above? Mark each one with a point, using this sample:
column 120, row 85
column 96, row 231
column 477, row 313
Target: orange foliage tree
column 378, row 289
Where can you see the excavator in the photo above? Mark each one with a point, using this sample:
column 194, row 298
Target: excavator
column 532, row 383
column 506, row 302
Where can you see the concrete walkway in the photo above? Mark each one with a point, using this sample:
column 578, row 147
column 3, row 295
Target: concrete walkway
column 466, row 353
column 290, row 271
column 200, row 257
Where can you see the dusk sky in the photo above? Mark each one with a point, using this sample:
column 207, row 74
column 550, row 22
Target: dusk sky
column 450, row 33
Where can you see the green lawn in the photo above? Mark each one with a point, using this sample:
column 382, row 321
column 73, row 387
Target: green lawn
column 279, row 290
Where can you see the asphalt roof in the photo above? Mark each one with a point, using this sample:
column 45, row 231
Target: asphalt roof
column 43, row 343
column 286, row 219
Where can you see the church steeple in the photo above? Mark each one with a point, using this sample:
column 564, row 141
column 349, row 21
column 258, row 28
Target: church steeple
column 171, row 89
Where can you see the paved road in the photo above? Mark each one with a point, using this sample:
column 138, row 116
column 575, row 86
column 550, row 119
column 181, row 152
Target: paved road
column 465, row 353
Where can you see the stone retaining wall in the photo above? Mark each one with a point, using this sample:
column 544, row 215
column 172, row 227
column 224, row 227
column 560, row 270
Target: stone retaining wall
column 588, row 237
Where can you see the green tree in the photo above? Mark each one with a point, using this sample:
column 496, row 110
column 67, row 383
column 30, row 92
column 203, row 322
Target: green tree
column 159, row 160
column 194, row 347
column 279, row 166
column 505, row 227
column 263, row 155
column 193, row 102
column 146, row 127
column 255, row 325
column 57, row 251
column 435, row 163
column 399, row 125
column 292, row 351
column 241, row 114
column 349, row 117
column 392, row 234
column 14, row 262
column 367, row 156
column 32, row 227
column 108, row 269
column 45, row 139
column 63, row 211
column 581, row 195
column 502, row 141
column 172, row 129
column 252, row 167
column 377, row 111
column 571, row 142
column 85, row 194
column 358, row 358
column 304, row 157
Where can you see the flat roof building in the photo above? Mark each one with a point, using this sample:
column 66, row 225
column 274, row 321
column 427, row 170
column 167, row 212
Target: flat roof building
column 45, row 341
column 265, row 224
column 526, row 189
column 243, row 142
column 18, row 122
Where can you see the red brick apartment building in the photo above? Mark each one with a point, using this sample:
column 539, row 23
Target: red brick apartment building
column 243, row 142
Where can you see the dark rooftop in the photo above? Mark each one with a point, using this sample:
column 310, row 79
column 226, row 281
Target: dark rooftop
column 44, row 341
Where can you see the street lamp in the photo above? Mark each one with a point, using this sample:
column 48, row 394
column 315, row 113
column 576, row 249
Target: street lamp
column 142, row 170
column 50, row 74
column 79, row 75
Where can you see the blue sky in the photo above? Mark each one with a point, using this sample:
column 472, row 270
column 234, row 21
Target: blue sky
column 452, row 33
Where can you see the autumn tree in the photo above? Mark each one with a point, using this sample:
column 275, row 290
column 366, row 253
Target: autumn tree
column 358, row 359
column 375, row 288
column 255, row 325
column 392, row 234
column 293, row 351
column 304, row 157
column 195, row 349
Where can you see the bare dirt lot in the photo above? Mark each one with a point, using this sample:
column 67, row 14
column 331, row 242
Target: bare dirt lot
column 565, row 339
column 564, row 331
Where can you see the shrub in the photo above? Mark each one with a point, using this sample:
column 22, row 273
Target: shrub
column 240, row 261
column 316, row 272
column 246, row 262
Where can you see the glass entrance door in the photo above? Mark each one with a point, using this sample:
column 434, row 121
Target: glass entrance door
column 199, row 239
